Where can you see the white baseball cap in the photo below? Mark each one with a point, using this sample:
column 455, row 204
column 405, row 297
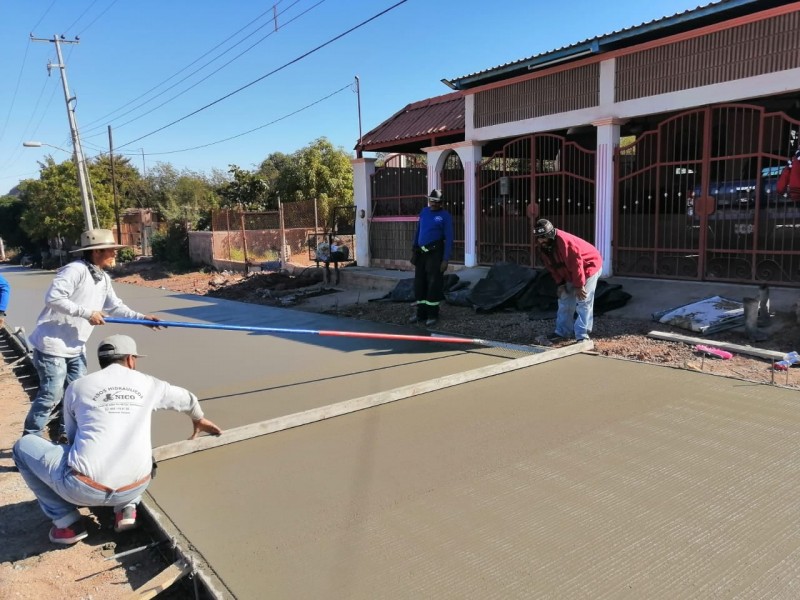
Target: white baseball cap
column 117, row 346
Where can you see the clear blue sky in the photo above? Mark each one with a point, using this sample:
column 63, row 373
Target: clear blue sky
column 128, row 48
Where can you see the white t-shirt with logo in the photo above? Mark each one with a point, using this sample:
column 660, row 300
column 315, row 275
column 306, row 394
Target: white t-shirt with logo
column 108, row 417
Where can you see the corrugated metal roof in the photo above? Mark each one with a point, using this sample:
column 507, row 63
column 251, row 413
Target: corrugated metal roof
column 595, row 44
column 424, row 120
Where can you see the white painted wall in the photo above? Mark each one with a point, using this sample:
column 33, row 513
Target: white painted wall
column 363, row 169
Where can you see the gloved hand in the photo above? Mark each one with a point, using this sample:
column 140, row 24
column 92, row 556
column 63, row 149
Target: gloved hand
column 443, row 266
column 414, row 255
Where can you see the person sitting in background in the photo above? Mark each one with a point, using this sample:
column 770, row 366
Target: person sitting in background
column 332, row 251
column 107, row 459
column 77, row 300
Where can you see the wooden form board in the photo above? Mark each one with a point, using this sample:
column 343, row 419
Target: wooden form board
column 162, row 581
column 253, row 430
column 736, row 348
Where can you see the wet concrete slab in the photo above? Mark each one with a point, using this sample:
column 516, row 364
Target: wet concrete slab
column 585, row 477
column 581, row 478
column 243, row 377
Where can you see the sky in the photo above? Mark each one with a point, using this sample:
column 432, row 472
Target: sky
column 206, row 84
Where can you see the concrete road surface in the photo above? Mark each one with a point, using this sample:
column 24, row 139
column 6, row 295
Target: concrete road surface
column 584, row 477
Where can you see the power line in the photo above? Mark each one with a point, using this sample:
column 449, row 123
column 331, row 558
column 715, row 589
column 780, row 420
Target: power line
column 17, row 152
column 238, row 135
column 88, row 8
column 18, row 149
column 44, row 14
column 16, row 89
column 217, row 70
column 97, row 18
column 91, row 126
column 21, row 69
column 291, row 62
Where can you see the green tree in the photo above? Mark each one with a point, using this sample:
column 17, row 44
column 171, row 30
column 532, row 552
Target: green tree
column 130, row 184
column 319, row 170
column 180, row 196
column 53, row 207
column 282, row 176
column 195, row 198
column 245, row 189
column 11, row 209
column 326, row 174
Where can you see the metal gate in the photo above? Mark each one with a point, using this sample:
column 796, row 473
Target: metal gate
column 696, row 198
column 452, row 182
column 536, row 176
column 399, row 189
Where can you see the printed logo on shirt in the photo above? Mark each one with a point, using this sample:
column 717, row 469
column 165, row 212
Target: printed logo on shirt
column 118, row 400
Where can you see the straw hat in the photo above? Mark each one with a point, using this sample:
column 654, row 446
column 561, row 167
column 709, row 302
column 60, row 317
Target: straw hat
column 97, row 239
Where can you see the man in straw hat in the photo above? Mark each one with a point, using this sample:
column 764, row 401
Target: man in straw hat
column 107, row 460
column 78, row 298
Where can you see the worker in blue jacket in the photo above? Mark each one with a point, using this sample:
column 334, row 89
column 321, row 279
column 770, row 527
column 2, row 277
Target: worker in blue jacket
column 5, row 293
column 433, row 246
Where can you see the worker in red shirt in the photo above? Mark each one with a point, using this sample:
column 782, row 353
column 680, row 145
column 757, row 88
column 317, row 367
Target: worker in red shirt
column 575, row 266
column 789, row 180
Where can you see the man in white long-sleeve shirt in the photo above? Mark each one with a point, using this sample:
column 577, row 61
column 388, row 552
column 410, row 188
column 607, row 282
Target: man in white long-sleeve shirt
column 79, row 297
column 107, row 460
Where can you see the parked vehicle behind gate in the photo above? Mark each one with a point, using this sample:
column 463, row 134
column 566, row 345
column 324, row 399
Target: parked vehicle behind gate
column 731, row 197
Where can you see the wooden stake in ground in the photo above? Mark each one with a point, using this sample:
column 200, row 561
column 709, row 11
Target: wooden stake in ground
column 162, row 581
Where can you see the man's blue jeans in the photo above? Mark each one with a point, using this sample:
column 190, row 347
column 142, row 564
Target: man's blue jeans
column 569, row 305
column 55, row 374
column 43, row 466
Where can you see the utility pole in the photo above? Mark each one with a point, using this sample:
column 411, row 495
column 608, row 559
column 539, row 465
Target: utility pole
column 114, row 185
column 359, row 152
column 80, row 163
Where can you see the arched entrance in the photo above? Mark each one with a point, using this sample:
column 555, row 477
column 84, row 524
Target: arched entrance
column 452, row 182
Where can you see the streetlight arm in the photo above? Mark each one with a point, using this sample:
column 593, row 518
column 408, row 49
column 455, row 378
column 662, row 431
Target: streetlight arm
column 40, row 144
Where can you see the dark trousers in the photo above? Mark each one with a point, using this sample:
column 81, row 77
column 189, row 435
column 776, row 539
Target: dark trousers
column 428, row 283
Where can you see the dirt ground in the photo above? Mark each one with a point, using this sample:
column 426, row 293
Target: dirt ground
column 615, row 337
column 31, row 567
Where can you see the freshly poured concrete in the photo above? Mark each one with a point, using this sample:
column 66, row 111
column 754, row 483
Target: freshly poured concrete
column 581, row 478
column 243, row 378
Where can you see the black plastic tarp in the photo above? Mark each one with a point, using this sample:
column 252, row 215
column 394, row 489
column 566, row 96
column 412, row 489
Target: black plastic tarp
column 509, row 285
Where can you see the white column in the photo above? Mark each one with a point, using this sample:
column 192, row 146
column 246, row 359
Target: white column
column 363, row 169
column 434, row 168
column 470, row 156
column 607, row 142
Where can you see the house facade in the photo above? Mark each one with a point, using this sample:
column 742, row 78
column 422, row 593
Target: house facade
column 661, row 143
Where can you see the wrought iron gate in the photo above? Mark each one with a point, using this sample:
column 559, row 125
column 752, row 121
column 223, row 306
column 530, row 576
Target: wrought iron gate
column 536, row 176
column 452, row 182
column 399, row 188
column 696, row 198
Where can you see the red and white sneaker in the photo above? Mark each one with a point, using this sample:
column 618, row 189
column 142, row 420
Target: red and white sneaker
column 125, row 519
column 68, row 535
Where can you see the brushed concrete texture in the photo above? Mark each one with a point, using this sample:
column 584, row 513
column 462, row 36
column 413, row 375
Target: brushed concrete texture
column 585, row 477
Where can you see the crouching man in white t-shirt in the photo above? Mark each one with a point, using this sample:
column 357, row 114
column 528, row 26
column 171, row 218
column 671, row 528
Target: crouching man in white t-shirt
column 107, row 460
